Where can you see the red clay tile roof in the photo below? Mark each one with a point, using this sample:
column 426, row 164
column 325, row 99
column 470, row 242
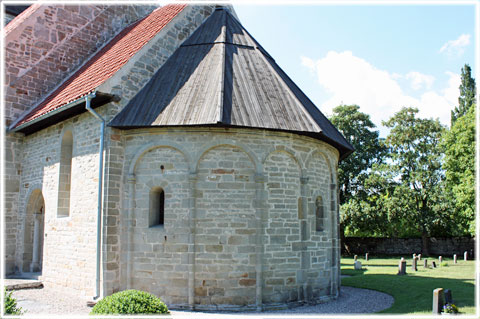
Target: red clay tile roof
column 106, row 62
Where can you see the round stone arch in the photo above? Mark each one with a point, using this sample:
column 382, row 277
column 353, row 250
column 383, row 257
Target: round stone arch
column 284, row 149
column 228, row 142
column 33, row 230
column 327, row 161
column 151, row 146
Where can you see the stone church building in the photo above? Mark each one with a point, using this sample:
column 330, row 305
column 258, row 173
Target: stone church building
column 163, row 149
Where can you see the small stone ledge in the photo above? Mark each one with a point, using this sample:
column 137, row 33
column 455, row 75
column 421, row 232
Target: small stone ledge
column 17, row 284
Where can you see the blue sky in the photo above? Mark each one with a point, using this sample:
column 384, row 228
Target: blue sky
column 381, row 57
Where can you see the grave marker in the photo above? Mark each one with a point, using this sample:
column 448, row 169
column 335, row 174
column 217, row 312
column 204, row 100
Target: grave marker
column 465, row 256
column 438, row 301
column 414, row 263
column 366, row 257
column 425, row 263
column 455, row 258
column 414, row 256
column 419, row 256
column 439, row 260
column 402, row 267
column 357, row 265
column 434, row 265
column 448, row 296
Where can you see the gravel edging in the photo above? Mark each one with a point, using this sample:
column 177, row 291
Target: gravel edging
column 350, row 301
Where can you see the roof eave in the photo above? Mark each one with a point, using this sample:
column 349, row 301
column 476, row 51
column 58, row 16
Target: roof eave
column 344, row 152
column 62, row 113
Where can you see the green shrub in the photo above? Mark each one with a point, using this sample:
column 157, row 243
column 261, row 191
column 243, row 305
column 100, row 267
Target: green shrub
column 11, row 307
column 129, row 302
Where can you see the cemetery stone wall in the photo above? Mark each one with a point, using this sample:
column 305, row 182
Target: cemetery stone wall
column 398, row 246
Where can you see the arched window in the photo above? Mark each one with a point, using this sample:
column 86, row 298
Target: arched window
column 157, row 207
column 319, row 213
column 65, row 176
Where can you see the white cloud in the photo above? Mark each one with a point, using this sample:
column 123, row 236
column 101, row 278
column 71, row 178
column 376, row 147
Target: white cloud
column 353, row 80
column 456, row 47
column 419, row 80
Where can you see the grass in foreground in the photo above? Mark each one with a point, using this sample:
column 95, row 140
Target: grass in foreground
column 413, row 292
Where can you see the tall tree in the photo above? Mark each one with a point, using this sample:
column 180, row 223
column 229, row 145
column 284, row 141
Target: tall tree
column 415, row 161
column 459, row 164
column 467, row 96
column 358, row 129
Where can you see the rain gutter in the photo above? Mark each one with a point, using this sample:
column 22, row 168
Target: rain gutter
column 88, row 98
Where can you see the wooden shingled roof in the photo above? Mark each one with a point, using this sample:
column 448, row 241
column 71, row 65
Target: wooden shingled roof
column 221, row 76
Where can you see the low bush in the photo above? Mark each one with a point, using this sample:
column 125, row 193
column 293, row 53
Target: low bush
column 130, row 302
column 11, row 307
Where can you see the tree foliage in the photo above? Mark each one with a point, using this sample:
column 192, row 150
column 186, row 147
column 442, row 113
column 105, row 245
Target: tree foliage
column 467, row 96
column 358, row 129
column 415, row 154
column 419, row 181
column 404, row 190
column 459, row 165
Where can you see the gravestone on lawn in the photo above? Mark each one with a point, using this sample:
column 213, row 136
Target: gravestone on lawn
column 455, row 258
column 419, row 256
column 402, row 267
column 434, row 265
column 425, row 263
column 414, row 264
column 414, row 256
column 438, row 300
column 448, row 296
column 465, row 256
column 439, row 260
column 366, row 257
column 357, row 265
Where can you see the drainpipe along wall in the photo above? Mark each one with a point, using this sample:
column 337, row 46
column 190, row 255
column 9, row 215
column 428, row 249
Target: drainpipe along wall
column 88, row 98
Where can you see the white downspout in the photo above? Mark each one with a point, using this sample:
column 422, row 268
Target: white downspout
column 100, row 193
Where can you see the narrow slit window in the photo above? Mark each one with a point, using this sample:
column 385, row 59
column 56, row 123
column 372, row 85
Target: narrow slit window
column 319, row 213
column 157, row 207
column 65, row 176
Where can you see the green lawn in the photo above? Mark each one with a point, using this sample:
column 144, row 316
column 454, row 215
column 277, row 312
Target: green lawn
column 413, row 292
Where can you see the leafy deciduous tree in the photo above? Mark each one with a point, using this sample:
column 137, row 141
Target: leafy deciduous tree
column 358, row 130
column 459, row 144
column 416, row 162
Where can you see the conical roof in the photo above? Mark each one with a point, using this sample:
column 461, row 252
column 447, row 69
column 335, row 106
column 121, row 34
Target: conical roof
column 221, row 76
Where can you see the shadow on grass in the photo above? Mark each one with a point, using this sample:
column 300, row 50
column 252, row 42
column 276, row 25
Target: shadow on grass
column 352, row 272
column 413, row 294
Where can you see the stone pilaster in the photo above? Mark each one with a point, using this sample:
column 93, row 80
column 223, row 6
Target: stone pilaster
column 260, row 221
column 192, row 179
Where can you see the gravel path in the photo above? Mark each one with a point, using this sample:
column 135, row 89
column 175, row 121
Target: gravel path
column 351, row 301
column 49, row 301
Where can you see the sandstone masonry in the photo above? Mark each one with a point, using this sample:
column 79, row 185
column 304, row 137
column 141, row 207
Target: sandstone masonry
column 250, row 215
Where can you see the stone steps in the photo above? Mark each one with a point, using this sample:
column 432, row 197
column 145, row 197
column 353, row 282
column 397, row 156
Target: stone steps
column 21, row 283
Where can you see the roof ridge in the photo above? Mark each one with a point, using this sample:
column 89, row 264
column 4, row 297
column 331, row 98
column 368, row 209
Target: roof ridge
column 221, row 105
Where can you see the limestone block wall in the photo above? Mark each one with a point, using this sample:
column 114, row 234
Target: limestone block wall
column 42, row 47
column 240, row 217
column 69, row 241
column 11, row 179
